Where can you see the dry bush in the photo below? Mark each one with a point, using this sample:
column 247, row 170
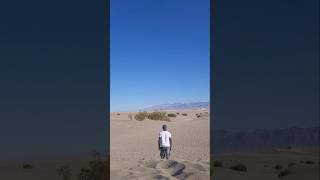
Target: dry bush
column 239, row 167
column 309, row 162
column 161, row 116
column 27, row 166
column 85, row 174
column 141, row 116
column 118, row 114
column 184, row 114
column 177, row 113
column 172, row 115
column 217, row 164
column 278, row 167
column 291, row 164
column 97, row 169
column 65, row 172
column 284, row 172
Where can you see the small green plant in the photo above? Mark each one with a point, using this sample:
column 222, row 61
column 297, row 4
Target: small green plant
column 239, row 167
column 141, row 116
column 65, row 172
column 278, row 167
column 217, row 164
column 172, row 115
column 162, row 116
column 284, row 172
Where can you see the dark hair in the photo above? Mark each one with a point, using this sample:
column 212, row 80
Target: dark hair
column 164, row 127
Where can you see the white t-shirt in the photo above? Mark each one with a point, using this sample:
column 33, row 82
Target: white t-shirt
column 164, row 138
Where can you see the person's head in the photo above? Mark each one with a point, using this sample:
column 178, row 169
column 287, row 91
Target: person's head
column 164, row 127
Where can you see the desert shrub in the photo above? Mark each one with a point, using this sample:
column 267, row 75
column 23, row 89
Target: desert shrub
column 172, row 115
column 284, row 172
column 278, row 167
column 199, row 115
column 65, row 172
column 217, row 164
column 177, row 113
column 184, row 114
column 141, row 116
column 309, row 162
column 239, row 167
column 158, row 116
column 97, row 169
column 291, row 164
column 118, row 114
column 130, row 116
column 27, row 166
column 85, row 174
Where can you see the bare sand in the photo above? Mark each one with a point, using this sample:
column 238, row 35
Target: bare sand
column 135, row 154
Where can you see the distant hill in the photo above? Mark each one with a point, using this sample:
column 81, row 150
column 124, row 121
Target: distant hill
column 179, row 106
column 227, row 141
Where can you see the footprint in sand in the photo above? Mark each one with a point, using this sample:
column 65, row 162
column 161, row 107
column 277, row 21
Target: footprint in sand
column 171, row 167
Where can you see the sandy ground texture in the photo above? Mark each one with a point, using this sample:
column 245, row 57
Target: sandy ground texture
column 290, row 164
column 41, row 170
column 135, row 154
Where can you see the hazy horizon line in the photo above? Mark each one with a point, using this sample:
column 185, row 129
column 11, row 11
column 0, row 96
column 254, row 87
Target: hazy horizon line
column 168, row 103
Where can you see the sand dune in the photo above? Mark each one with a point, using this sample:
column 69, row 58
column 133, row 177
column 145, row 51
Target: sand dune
column 135, row 154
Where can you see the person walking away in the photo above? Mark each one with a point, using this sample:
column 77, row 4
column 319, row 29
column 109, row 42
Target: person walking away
column 165, row 142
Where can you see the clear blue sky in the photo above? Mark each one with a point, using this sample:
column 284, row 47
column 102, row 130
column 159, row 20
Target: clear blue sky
column 159, row 52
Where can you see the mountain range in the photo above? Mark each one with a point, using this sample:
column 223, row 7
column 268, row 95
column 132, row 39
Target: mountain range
column 180, row 106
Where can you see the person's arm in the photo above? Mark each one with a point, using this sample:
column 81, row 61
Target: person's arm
column 159, row 143
column 170, row 143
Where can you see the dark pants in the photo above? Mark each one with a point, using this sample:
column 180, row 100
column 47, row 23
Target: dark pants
column 164, row 152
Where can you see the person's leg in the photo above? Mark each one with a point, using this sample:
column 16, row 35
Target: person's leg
column 162, row 154
column 167, row 152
